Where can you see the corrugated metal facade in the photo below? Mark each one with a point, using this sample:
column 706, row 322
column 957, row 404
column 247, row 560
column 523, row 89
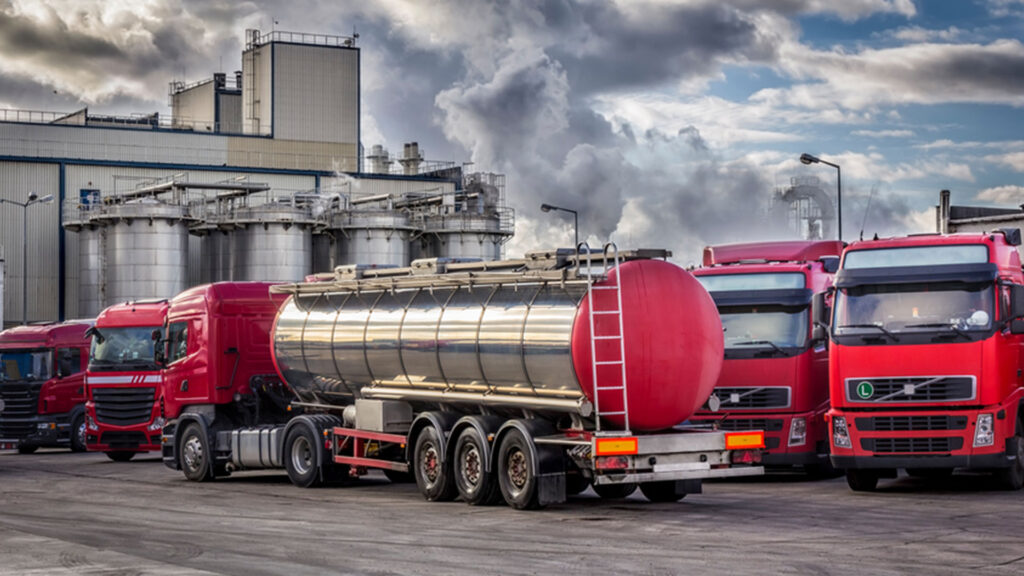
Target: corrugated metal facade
column 17, row 179
column 316, row 93
column 195, row 107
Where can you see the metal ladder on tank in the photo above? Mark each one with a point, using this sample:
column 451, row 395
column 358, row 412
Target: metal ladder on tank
column 598, row 363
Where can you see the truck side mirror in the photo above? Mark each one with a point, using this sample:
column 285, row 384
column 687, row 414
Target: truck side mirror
column 159, row 353
column 1016, row 309
column 819, row 318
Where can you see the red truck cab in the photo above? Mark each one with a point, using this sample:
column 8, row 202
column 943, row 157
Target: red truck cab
column 926, row 358
column 42, row 397
column 775, row 375
column 123, row 389
column 219, row 371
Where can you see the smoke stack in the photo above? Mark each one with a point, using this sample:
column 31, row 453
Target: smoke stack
column 411, row 159
column 380, row 163
column 942, row 217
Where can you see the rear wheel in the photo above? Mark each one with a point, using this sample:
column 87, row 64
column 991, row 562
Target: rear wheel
column 300, row 457
column 614, row 491
column 120, row 455
column 476, row 485
column 78, row 434
column 516, row 471
column 662, row 491
column 433, row 473
column 27, row 449
column 575, row 483
column 1012, row 478
column 862, row 480
column 195, row 454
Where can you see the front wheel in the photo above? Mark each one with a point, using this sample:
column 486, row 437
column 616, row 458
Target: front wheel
column 1012, row 478
column 862, row 480
column 120, row 455
column 432, row 471
column 195, row 454
column 300, row 457
column 78, row 434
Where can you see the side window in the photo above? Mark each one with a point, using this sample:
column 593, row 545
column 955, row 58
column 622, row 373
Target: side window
column 69, row 361
column 177, row 341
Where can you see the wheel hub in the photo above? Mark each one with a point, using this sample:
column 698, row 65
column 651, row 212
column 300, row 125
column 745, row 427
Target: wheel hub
column 302, row 455
column 517, row 473
column 193, row 453
column 431, row 465
column 471, row 465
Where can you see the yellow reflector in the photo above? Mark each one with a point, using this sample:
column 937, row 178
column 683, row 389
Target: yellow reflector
column 743, row 440
column 615, row 446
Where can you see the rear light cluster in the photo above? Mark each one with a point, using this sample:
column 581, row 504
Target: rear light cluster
column 746, row 456
column 611, row 463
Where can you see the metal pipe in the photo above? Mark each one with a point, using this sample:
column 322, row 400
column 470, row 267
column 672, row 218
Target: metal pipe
column 580, row 406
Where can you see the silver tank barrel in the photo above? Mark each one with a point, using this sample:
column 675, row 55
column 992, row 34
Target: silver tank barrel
column 504, row 342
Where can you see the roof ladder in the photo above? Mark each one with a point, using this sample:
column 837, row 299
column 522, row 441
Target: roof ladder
column 604, row 367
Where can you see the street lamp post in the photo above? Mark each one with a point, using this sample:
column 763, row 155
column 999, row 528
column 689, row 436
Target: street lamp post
column 808, row 159
column 575, row 220
column 33, row 198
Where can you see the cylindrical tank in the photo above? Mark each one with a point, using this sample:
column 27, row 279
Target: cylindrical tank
column 464, row 235
column 379, row 237
column 523, row 344
column 272, row 243
column 217, row 254
column 91, row 276
column 146, row 251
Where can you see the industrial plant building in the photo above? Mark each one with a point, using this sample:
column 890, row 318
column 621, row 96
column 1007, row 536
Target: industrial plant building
column 257, row 175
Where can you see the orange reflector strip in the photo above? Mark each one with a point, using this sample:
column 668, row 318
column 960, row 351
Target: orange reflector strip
column 744, row 440
column 615, row 446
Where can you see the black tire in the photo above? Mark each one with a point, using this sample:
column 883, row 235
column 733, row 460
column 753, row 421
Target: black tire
column 433, row 473
column 194, row 454
column 120, row 455
column 1012, row 478
column 662, row 491
column 77, row 433
column 476, row 485
column 516, row 471
column 614, row 491
column 575, row 483
column 397, row 477
column 27, row 449
column 862, row 480
column 301, row 457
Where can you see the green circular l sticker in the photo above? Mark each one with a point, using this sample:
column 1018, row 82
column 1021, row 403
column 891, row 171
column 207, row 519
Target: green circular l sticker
column 865, row 390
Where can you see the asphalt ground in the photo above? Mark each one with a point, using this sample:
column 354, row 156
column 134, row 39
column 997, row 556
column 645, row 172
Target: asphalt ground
column 63, row 513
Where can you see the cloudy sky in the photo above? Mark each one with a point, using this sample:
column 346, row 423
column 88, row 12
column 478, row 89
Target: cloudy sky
column 664, row 122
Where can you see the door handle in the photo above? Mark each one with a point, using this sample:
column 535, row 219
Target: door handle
column 184, row 386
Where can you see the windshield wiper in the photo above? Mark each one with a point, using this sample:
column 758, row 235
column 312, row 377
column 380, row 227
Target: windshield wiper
column 761, row 342
column 875, row 326
column 952, row 327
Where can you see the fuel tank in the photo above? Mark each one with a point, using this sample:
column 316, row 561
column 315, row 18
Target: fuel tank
column 510, row 340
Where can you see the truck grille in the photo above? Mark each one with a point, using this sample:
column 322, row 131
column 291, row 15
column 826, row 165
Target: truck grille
column 904, row 445
column 921, row 389
column 911, row 423
column 21, row 403
column 766, row 424
column 753, row 397
column 123, row 406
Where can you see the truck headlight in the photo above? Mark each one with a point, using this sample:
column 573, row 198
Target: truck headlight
column 984, row 432
column 798, row 432
column 840, row 434
column 158, row 424
column 89, row 422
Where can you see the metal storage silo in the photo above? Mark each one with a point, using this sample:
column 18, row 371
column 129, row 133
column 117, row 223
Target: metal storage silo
column 472, row 223
column 378, row 237
column 92, row 277
column 146, row 250
column 272, row 242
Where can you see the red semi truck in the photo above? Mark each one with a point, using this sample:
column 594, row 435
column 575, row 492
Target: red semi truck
column 511, row 380
column 123, row 391
column 926, row 358
column 42, row 398
column 775, row 376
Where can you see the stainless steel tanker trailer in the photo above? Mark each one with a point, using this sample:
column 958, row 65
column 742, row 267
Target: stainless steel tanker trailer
column 525, row 380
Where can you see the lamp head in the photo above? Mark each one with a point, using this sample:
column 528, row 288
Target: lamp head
column 46, row 199
column 808, row 159
column 545, row 207
column 32, row 196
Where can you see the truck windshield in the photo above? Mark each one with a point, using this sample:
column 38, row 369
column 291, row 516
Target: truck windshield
column 26, row 364
column 764, row 330
column 123, row 348
column 890, row 309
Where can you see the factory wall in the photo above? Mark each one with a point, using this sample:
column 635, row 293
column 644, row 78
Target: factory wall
column 195, row 108
column 257, row 98
column 316, row 93
column 17, row 179
column 230, row 105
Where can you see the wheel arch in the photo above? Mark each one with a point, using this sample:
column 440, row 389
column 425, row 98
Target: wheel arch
column 487, row 427
column 443, row 422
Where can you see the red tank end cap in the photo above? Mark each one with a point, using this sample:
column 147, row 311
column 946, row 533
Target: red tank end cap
column 673, row 342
